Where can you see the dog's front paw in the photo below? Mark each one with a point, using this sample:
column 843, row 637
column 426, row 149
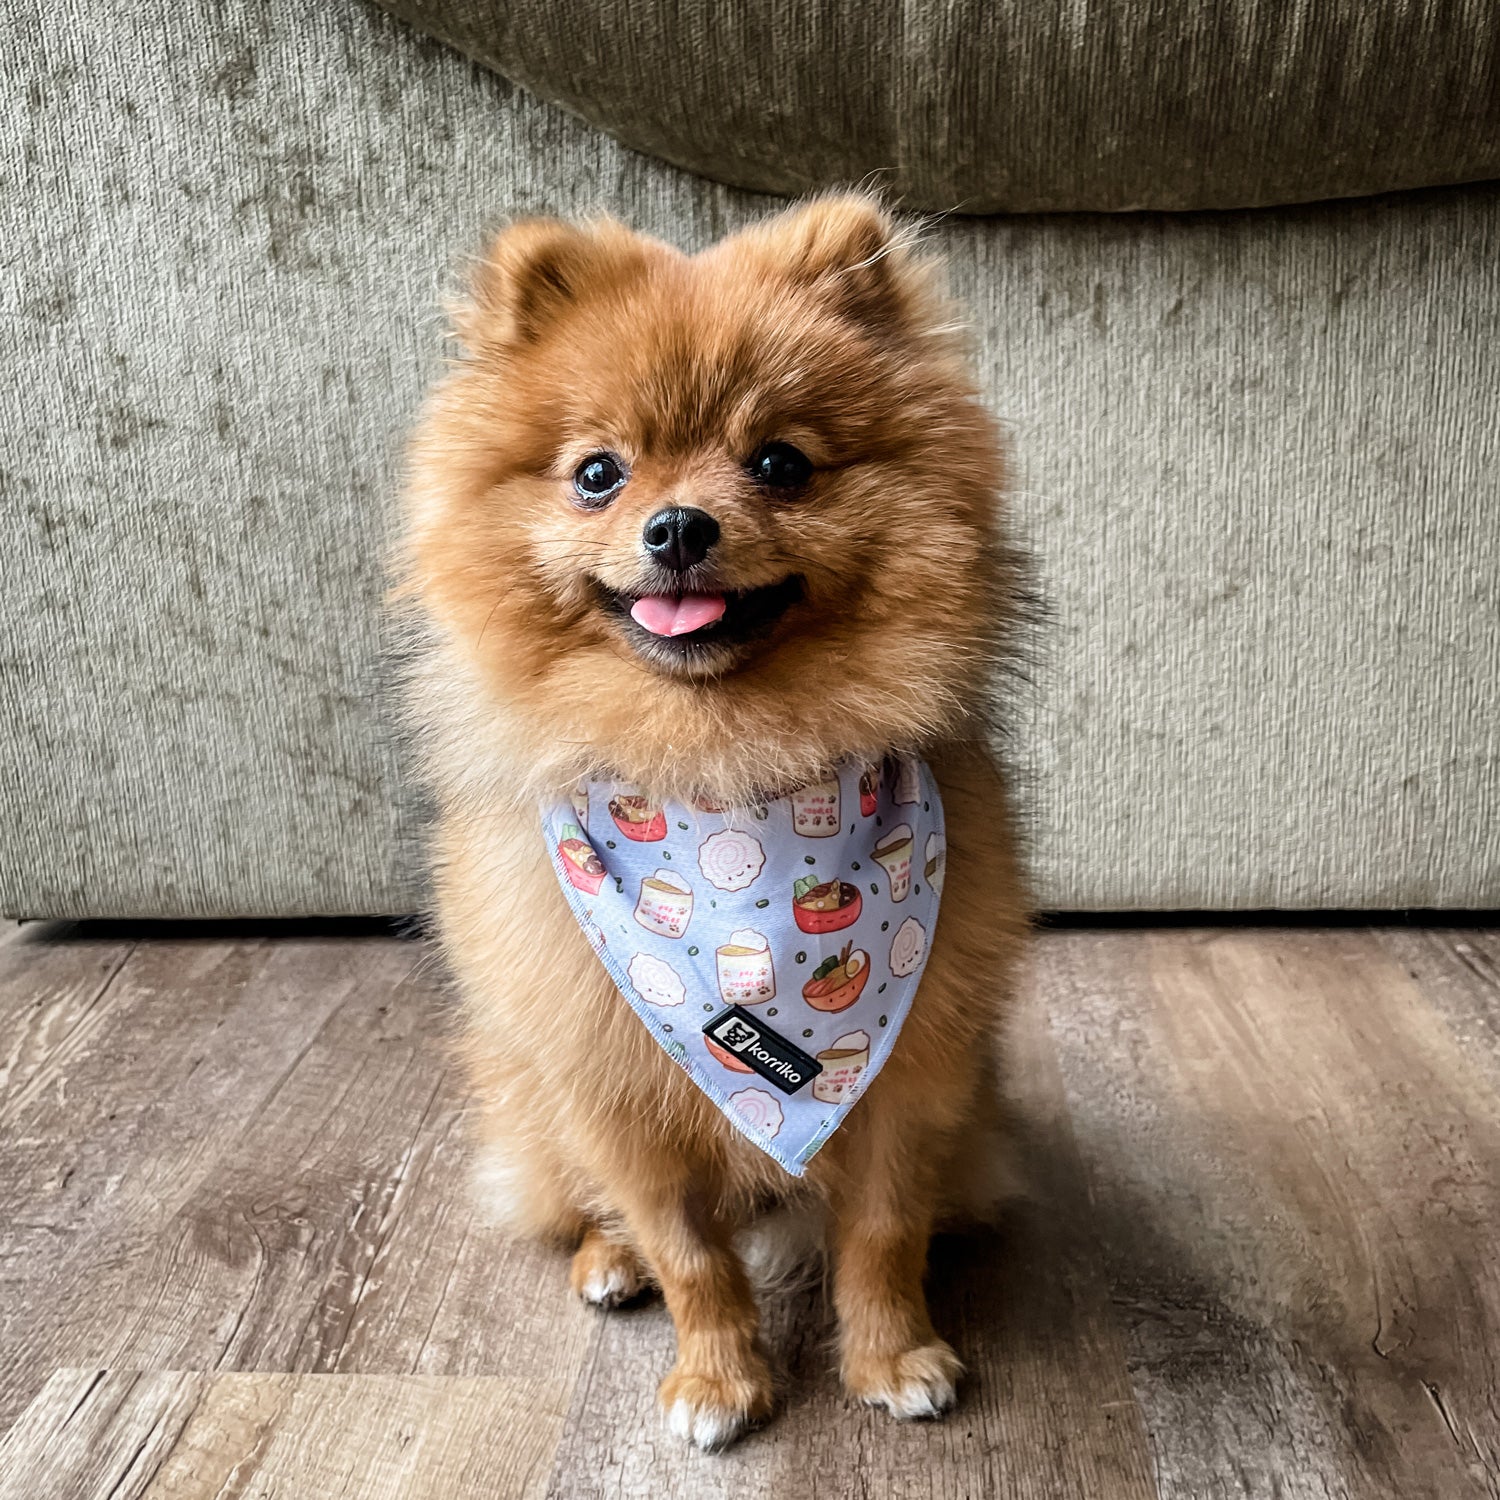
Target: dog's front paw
column 712, row 1410
column 920, row 1382
column 607, row 1273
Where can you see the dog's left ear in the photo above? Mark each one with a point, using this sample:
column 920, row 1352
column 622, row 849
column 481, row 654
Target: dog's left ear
column 537, row 268
column 848, row 248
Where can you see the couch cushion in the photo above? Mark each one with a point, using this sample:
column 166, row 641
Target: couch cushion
column 988, row 105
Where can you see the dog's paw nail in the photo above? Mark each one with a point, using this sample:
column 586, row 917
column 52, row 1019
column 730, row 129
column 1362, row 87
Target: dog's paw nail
column 606, row 1274
column 922, row 1382
column 708, row 1430
column 609, row 1287
column 711, row 1411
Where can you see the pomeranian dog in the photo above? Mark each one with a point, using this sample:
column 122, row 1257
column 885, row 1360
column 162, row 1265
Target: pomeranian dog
column 705, row 527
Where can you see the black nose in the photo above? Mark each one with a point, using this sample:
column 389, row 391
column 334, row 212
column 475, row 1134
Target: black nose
column 679, row 539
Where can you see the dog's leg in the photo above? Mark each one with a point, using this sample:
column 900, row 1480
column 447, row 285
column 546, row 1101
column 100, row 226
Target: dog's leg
column 889, row 1354
column 721, row 1382
column 607, row 1271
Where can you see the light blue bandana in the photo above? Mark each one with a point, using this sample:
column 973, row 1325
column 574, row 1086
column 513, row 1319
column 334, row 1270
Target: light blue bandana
column 772, row 951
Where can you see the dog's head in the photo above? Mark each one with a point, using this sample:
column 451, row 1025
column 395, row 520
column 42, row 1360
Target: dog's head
column 717, row 519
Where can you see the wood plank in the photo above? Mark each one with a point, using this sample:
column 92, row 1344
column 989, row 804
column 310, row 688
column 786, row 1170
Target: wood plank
column 1293, row 1170
column 1458, row 972
column 125, row 1435
column 194, row 1037
column 1047, row 1409
column 90, row 1434
column 51, row 986
column 255, row 1161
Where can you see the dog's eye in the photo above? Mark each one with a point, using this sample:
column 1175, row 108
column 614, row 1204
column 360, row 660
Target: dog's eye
column 779, row 466
column 598, row 477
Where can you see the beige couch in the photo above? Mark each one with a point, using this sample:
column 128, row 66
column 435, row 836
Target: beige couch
column 1257, row 451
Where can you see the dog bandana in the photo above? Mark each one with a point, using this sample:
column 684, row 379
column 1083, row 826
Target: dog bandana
column 772, row 951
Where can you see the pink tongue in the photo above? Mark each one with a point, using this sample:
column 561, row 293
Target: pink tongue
column 661, row 614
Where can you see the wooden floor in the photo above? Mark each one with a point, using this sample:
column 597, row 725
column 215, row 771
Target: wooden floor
column 1262, row 1257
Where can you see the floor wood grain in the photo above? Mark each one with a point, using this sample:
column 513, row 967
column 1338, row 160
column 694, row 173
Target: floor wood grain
column 1293, row 1167
column 237, row 1256
column 171, row 1435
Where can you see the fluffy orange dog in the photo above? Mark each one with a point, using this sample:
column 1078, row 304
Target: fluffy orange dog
column 711, row 524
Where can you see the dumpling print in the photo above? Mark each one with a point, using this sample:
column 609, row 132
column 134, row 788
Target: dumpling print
column 731, row 859
column 656, row 981
column 758, row 1109
column 907, row 947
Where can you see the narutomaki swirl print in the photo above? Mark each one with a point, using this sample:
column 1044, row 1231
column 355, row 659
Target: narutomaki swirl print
column 772, row 951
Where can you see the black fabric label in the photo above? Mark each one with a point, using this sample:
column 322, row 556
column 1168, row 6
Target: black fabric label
column 753, row 1043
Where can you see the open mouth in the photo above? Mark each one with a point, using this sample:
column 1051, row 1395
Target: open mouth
column 699, row 624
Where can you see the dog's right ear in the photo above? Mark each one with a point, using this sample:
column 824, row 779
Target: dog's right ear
column 535, row 269
column 851, row 251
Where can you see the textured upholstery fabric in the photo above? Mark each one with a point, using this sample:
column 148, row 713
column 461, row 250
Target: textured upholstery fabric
column 1257, row 455
column 1020, row 105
